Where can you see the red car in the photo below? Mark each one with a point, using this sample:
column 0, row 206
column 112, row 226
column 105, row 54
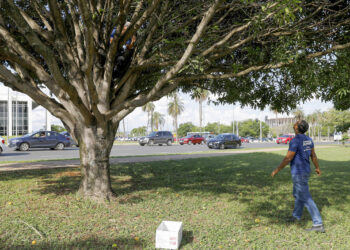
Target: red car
column 284, row 139
column 243, row 139
column 191, row 139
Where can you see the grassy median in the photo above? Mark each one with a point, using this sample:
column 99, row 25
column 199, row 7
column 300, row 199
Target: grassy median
column 228, row 202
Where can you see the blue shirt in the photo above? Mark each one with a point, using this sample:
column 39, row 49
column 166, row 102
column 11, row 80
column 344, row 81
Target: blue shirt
column 302, row 146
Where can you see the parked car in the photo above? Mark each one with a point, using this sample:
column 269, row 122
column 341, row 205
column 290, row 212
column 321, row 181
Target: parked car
column 244, row 140
column 72, row 141
column 2, row 145
column 158, row 137
column 40, row 139
column 191, row 139
column 223, row 141
column 208, row 137
column 284, row 139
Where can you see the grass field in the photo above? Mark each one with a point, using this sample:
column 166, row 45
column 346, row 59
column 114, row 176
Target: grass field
column 228, row 202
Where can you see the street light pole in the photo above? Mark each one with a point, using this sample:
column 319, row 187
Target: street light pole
column 260, row 129
column 233, row 119
column 8, row 115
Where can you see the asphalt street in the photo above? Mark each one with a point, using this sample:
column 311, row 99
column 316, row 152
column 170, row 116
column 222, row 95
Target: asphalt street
column 122, row 150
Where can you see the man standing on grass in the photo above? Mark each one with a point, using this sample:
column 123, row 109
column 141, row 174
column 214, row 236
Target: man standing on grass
column 301, row 148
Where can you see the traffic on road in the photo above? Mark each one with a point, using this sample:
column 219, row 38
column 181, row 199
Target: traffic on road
column 127, row 149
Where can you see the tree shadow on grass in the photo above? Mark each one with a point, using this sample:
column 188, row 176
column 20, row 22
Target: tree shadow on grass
column 242, row 177
column 93, row 242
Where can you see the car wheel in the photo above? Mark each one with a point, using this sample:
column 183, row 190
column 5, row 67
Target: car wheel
column 60, row 146
column 222, row 146
column 169, row 143
column 0, row 150
column 160, row 144
column 24, row 147
column 142, row 144
column 151, row 143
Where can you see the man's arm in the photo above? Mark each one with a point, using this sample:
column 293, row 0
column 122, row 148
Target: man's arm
column 315, row 161
column 289, row 157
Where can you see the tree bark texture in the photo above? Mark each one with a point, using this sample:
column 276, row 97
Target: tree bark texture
column 95, row 147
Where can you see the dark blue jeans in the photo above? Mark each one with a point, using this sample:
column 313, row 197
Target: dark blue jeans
column 303, row 198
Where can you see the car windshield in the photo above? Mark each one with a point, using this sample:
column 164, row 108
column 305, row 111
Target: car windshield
column 219, row 137
column 152, row 134
column 30, row 134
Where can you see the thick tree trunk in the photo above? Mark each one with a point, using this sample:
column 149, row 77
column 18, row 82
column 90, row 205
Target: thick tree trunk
column 95, row 147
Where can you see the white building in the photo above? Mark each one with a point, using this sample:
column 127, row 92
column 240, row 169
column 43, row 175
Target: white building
column 15, row 112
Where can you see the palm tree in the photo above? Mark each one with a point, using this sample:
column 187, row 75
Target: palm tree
column 312, row 119
column 158, row 120
column 318, row 116
column 200, row 98
column 175, row 108
column 298, row 113
column 149, row 108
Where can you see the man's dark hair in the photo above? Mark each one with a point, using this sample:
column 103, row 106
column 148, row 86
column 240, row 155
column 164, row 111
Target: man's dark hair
column 303, row 126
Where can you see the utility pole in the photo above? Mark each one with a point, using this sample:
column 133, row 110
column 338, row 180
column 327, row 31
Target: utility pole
column 260, row 131
column 328, row 134
column 237, row 129
column 233, row 120
column 8, row 115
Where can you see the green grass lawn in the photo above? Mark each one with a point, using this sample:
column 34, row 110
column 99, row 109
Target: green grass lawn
column 228, row 202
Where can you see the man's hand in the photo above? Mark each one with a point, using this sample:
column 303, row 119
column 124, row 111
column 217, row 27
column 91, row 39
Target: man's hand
column 274, row 172
column 318, row 171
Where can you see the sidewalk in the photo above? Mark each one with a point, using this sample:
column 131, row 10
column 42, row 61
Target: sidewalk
column 132, row 159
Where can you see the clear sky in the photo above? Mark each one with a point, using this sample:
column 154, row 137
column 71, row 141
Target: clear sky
column 211, row 113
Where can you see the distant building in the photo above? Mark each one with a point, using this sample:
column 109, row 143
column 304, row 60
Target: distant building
column 15, row 112
column 279, row 122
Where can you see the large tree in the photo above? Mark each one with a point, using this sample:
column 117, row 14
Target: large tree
column 244, row 51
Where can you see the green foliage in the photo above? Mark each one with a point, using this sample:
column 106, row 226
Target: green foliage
column 218, row 128
column 252, row 128
column 140, row 131
column 184, row 128
column 57, row 128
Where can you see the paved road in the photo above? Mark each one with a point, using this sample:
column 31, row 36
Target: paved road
column 119, row 150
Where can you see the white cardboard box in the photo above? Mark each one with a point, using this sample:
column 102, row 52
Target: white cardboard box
column 169, row 235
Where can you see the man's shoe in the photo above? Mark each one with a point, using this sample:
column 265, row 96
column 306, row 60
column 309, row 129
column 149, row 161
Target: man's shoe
column 319, row 229
column 291, row 219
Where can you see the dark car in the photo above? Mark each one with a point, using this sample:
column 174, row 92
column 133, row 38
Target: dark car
column 223, row 141
column 72, row 141
column 191, row 139
column 41, row 139
column 158, row 137
column 208, row 137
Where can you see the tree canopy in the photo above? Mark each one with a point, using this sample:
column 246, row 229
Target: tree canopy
column 62, row 54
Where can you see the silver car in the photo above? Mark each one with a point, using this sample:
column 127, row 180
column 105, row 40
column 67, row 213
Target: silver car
column 2, row 145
